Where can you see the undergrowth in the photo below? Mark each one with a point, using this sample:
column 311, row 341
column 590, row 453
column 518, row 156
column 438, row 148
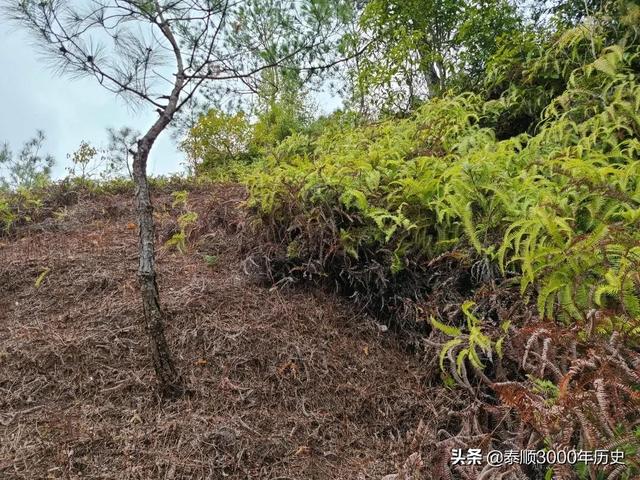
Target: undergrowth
column 523, row 248
column 23, row 207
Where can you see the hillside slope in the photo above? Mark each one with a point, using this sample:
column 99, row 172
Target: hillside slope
column 285, row 384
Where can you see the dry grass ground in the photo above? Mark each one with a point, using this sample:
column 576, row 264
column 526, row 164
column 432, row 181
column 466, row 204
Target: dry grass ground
column 288, row 384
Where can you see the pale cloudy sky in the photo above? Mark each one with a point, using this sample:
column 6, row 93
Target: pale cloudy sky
column 69, row 111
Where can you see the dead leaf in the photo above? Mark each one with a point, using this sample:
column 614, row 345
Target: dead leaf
column 288, row 367
column 136, row 418
column 302, row 450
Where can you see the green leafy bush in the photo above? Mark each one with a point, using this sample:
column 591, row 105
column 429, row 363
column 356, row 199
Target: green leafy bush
column 217, row 140
column 559, row 209
column 537, row 224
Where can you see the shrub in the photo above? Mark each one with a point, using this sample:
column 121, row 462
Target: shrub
column 558, row 208
column 217, row 140
column 414, row 217
column 29, row 168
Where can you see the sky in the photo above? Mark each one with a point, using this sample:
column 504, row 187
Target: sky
column 69, row 111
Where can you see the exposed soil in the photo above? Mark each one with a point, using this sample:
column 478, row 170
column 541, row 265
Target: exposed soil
column 285, row 384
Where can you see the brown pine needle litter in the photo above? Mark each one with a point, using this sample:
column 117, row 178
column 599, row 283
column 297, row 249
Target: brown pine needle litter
column 285, row 384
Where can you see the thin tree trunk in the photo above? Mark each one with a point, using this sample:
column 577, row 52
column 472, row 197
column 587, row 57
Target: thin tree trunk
column 169, row 381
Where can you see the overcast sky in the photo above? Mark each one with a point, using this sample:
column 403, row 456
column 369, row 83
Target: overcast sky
column 69, row 111
column 72, row 110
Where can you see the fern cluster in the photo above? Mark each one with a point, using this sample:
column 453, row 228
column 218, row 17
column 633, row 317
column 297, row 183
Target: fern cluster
column 559, row 209
column 553, row 207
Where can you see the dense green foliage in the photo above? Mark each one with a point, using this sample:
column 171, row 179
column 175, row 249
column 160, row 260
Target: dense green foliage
column 218, row 139
column 416, row 49
column 533, row 181
column 220, row 145
column 559, row 207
